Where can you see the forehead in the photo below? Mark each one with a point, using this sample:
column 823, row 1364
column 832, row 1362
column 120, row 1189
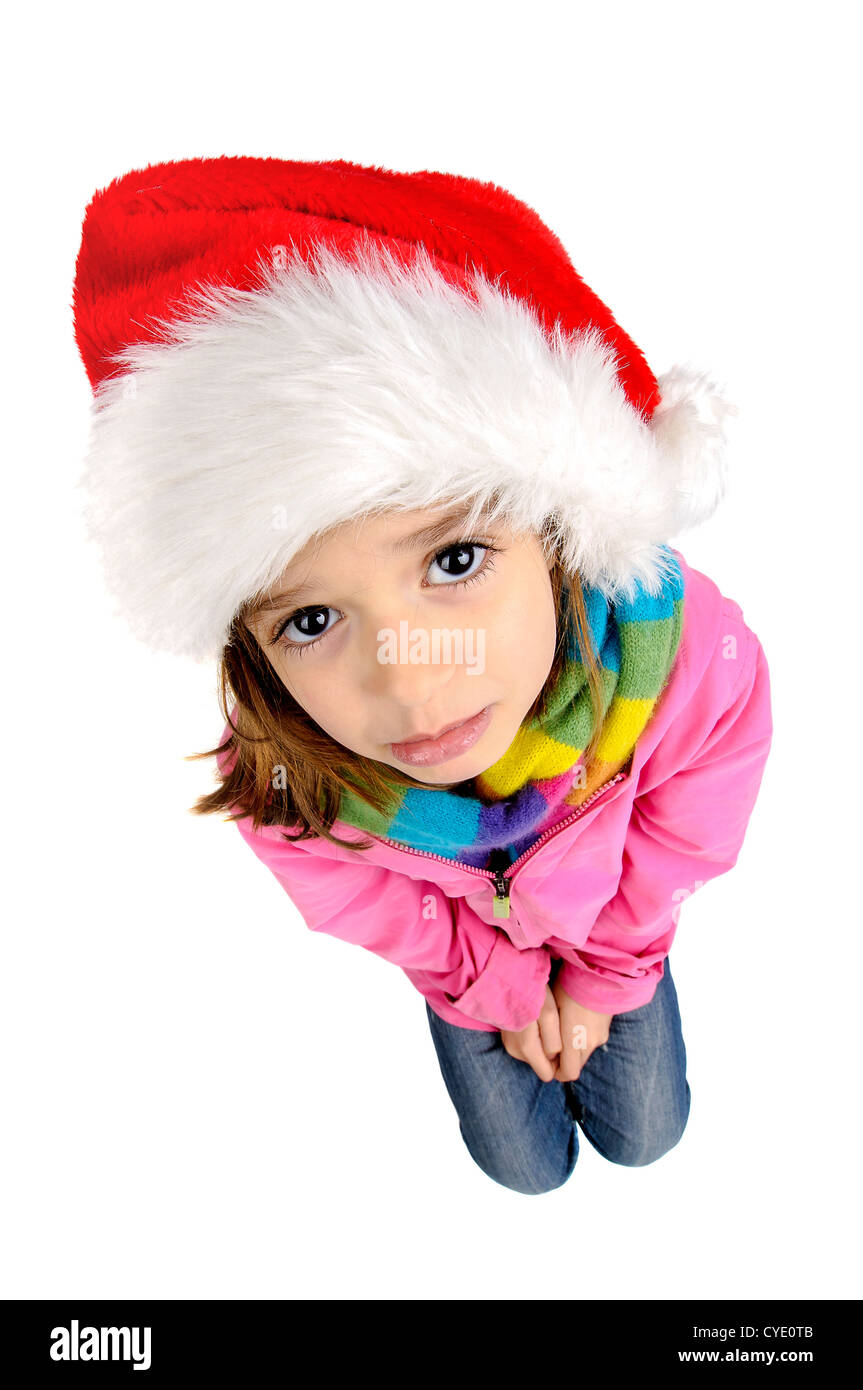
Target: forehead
column 393, row 532
column 389, row 533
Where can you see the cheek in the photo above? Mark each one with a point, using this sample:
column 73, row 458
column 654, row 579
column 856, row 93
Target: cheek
column 305, row 691
column 537, row 624
column 323, row 701
column 545, row 648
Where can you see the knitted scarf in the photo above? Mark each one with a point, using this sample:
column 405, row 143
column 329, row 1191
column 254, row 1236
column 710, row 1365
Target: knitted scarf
column 541, row 776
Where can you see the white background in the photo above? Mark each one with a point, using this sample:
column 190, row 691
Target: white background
column 200, row 1098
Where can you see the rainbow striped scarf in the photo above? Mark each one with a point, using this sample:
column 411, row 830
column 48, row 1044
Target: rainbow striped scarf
column 541, row 776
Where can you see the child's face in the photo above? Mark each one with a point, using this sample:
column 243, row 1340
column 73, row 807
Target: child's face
column 364, row 610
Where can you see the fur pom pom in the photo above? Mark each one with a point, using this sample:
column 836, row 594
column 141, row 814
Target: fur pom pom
column 689, row 427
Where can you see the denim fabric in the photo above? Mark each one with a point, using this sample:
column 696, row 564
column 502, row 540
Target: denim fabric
column 631, row 1099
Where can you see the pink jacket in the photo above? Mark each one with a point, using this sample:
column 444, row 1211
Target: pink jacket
column 602, row 890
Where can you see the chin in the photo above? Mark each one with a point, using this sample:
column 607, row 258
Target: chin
column 447, row 776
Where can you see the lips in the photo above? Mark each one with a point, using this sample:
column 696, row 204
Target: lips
column 451, row 742
column 430, row 738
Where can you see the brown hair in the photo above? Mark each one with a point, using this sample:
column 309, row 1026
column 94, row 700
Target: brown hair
column 273, row 730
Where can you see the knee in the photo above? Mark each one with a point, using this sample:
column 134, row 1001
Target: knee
column 533, row 1186
column 653, row 1146
column 648, row 1153
column 529, row 1175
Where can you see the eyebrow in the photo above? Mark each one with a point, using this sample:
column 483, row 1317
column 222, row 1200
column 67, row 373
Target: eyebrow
column 427, row 537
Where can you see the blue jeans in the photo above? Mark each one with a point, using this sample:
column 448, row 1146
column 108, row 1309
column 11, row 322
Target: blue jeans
column 631, row 1098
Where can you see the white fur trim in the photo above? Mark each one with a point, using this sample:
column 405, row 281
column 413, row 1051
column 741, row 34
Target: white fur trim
column 267, row 415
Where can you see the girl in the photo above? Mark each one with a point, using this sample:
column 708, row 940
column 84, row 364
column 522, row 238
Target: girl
column 367, row 440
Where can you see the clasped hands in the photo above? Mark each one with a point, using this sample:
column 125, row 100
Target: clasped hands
column 559, row 1042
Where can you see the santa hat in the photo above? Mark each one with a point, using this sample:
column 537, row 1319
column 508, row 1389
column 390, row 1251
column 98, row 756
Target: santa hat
column 276, row 347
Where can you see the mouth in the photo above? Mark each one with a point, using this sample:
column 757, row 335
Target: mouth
column 450, row 742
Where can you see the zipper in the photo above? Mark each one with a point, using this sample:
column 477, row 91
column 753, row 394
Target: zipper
column 503, row 877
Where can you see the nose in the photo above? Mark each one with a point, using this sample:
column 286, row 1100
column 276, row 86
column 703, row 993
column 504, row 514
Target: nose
column 399, row 664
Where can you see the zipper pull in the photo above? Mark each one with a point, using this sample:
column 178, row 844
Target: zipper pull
column 500, row 905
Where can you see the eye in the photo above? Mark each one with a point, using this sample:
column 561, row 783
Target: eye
column 461, row 557
column 308, row 637
column 460, row 570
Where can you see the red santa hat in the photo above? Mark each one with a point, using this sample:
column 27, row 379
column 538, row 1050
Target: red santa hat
column 276, row 347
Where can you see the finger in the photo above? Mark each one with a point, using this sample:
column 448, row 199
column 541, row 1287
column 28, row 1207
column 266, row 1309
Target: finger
column 570, row 1065
column 549, row 1031
column 515, row 1045
column 572, row 1058
column 536, row 1058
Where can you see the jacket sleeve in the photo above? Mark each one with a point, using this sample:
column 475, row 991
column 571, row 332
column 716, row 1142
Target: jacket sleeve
column 444, row 951
column 683, row 831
